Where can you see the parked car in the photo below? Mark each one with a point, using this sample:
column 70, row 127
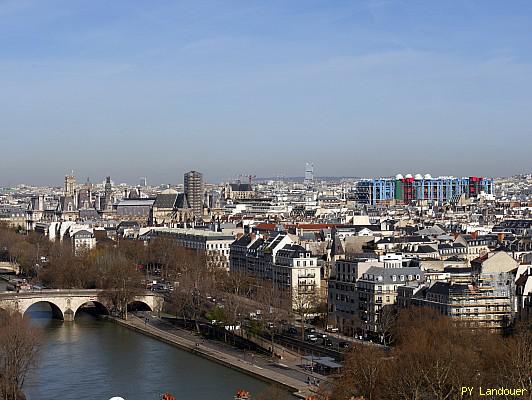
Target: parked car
column 310, row 337
column 327, row 342
column 310, row 329
column 332, row 329
column 344, row 345
column 322, row 335
column 292, row 331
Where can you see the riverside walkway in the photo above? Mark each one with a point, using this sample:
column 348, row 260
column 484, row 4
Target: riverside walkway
column 285, row 376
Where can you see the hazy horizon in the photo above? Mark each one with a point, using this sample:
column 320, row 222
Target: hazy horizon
column 80, row 180
column 372, row 88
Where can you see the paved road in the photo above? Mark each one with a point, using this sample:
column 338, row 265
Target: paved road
column 336, row 338
column 293, row 374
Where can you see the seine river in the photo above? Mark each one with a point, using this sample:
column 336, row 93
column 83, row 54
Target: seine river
column 92, row 359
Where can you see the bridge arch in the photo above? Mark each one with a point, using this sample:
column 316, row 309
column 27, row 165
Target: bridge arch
column 138, row 305
column 98, row 307
column 57, row 313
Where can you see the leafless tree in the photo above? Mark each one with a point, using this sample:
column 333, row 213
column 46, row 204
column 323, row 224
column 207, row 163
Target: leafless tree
column 120, row 280
column 516, row 362
column 363, row 375
column 432, row 358
column 386, row 323
column 19, row 344
column 194, row 284
column 272, row 301
column 304, row 303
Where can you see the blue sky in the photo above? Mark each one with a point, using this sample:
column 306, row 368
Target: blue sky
column 361, row 88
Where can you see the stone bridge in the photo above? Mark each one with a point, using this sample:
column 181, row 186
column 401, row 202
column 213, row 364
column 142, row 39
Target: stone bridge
column 66, row 303
column 8, row 267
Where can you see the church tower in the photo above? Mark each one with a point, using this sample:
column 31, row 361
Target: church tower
column 70, row 183
column 108, row 194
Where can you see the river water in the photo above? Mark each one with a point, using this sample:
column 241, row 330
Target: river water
column 92, row 359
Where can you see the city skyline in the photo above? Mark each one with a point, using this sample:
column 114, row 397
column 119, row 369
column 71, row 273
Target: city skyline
column 81, row 179
column 158, row 89
column 246, row 199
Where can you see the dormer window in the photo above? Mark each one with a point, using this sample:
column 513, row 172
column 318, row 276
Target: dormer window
column 402, row 277
column 394, row 278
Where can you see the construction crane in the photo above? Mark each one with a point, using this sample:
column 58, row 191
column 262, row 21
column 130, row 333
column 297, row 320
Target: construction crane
column 249, row 177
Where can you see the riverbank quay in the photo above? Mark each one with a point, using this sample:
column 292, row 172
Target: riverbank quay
column 248, row 365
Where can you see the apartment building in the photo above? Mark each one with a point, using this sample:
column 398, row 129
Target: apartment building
column 342, row 300
column 475, row 245
column 215, row 245
column 360, row 287
column 277, row 259
column 478, row 306
column 83, row 240
column 482, row 296
column 193, row 185
column 378, row 288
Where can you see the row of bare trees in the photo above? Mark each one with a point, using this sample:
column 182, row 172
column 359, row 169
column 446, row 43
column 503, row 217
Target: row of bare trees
column 114, row 268
column 433, row 358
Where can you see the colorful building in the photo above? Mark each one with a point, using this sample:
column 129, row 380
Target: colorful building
column 406, row 189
